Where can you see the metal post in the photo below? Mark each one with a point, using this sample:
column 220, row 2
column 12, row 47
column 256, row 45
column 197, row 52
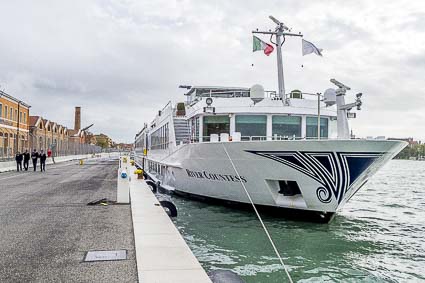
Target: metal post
column 318, row 116
column 280, row 77
column 17, row 130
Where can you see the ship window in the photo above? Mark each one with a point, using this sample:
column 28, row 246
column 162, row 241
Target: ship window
column 311, row 130
column 286, row 126
column 216, row 125
column 194, row 128
column 160, row 138
column 251, row 125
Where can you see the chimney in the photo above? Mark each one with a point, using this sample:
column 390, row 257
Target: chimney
column 77, row 123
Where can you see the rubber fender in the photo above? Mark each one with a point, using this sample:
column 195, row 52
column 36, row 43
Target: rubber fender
column 172, row 209
column 153, row 185
column 224, row 276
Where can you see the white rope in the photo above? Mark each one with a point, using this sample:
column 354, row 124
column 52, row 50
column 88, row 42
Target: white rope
column 258, row 215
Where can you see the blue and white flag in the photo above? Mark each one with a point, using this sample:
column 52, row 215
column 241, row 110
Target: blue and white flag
column 309, row 47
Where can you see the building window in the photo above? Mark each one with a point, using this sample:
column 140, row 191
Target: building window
column 10, row 114
column 16, row 115
column 286, row 126
column 1, row 110
column 5, row 111
column 311, row 130
column 216, row 125
column 251, row 125
column 25, row 118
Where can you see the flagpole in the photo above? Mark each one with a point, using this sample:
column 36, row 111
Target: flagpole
column 279, row 33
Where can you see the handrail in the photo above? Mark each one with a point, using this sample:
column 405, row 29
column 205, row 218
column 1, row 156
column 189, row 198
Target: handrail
column 257, row 138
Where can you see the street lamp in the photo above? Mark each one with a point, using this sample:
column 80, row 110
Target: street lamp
column 17, row 130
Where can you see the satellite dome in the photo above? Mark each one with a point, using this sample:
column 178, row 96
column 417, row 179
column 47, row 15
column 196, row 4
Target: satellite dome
column 256, row 92
column 329, row 97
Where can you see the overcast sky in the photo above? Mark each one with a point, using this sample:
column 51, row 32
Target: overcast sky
column 121, row 61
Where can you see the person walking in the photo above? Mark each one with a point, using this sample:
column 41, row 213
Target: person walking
column 26, row 159
column 34, row 157
column 18, row 159
column 43, row 158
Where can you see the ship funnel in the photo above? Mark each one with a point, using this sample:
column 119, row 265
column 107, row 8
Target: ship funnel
column 256, row 92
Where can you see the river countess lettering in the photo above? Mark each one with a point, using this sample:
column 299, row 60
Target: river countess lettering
column 215, row 176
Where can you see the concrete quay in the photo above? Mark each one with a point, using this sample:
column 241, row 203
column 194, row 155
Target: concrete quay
column 162, row 254
column 47, row 227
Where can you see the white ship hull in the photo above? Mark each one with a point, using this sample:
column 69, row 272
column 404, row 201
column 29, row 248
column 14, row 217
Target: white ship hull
column 327, row 172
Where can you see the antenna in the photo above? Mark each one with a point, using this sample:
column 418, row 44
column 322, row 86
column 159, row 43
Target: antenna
column 280, row 24
column 279, row 33
column 339, row 84
column 274, row 20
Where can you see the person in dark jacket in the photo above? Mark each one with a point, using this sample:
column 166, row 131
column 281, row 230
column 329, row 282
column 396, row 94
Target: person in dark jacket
column 43, row 158
column 18, row 159
column 27, row 157
column 34, row 157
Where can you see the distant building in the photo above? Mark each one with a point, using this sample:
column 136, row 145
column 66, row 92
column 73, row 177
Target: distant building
column 124, row 146
column 411, row 141
column 46, row 134
column 90, row 138
column 14, row 128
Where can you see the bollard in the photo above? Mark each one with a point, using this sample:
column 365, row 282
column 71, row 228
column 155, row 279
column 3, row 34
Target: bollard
column 81, row 162
column 123, row 187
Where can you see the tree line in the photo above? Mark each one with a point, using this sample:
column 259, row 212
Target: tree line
column 416, row 151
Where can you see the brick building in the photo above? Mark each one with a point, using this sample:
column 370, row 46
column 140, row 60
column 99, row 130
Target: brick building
column 46, row 134
column 14, row 128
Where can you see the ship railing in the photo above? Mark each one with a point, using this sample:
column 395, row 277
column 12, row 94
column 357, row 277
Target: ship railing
column 254, row 138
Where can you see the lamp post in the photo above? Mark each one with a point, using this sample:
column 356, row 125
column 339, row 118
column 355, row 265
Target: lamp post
column 17, row 130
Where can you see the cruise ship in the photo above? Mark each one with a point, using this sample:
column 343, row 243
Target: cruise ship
column 289, row 151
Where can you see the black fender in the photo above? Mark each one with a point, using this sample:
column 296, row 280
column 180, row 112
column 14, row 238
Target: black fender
column 171, row 209
column 153, row 185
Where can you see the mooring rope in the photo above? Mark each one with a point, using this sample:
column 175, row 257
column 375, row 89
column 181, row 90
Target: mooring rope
column 258, row 215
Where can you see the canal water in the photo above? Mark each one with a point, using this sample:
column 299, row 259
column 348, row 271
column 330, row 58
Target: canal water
column 379, row 236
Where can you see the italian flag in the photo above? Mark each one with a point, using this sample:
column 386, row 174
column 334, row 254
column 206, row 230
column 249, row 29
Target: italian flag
column 258, row 44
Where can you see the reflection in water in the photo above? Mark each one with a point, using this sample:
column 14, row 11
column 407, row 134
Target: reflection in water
column 378, row 237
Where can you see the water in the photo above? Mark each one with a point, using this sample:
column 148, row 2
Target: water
column 378, row 237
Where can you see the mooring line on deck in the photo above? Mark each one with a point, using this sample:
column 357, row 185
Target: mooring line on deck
column 258, row 215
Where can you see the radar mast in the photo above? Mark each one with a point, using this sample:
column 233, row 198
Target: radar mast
column 280, row 32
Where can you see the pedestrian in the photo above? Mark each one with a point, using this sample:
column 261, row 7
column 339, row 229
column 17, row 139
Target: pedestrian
column 43, row 158
column 34, row 157
column 18, row 159
column 26, row 159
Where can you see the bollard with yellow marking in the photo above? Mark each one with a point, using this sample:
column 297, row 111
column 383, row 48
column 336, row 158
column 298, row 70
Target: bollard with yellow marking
column 81, row 162
column 139, row 173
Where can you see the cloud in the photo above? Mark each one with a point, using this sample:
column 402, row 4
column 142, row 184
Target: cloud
column 123, row 60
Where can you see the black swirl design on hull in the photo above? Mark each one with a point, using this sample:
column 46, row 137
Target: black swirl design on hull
column 324, row 194
column 335, row 171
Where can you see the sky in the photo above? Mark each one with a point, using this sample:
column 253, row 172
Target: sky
column 122, row 61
